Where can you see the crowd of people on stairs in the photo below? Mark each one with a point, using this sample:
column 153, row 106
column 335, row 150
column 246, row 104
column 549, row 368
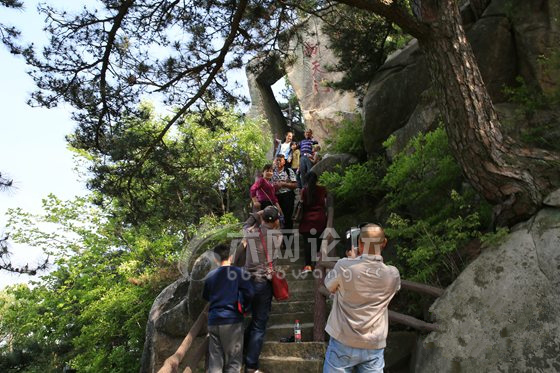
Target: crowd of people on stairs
column 361, row 284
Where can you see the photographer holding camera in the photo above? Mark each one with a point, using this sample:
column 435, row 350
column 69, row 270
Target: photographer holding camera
column 359, row 318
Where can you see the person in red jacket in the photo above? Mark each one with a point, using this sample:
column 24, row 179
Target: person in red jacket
column 314, row 219
column 263, row 192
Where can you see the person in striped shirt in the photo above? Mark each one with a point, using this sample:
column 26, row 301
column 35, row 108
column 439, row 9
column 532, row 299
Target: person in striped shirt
column 306, row 151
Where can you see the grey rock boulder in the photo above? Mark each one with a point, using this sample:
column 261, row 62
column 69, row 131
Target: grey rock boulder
column 423, row 119
column 502, row 314
column 493, row 45
column 334, row 162
column 536, row 26
column 393, row 94
column 168, row 323
column 553, row 199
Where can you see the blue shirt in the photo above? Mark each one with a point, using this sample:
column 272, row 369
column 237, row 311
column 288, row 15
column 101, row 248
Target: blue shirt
column 306, row 146
column 224, row 288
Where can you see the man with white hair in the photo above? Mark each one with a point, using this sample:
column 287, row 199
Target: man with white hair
column 359, row 318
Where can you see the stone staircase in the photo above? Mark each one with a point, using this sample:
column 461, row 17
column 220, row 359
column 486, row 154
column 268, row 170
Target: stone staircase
column 305, row 357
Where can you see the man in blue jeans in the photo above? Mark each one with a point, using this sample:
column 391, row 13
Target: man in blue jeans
column 263, row 240
column 359, row 318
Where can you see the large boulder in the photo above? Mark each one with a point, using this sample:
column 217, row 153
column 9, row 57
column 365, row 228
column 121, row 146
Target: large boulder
column 334, row 162
column 424, row 118
column 307, row 71
column 395, row 91
column 393, row 94
column 536, row 27
column 168, row 323
column 173, row 313
column 493, row 45
column 261, row 74
column 502, row 314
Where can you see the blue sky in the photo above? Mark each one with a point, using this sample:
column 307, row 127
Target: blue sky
column 32, row 146
column 33, row 150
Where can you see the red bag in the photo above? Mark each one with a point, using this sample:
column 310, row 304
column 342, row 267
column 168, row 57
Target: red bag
column 280, row 288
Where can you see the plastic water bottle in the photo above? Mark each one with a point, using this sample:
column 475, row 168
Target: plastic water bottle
column 297, row 332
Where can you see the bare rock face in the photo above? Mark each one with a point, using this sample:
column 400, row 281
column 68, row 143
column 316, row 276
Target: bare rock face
column 502, row 314
column 424, row 118
column 306, row 70
column 493, row 45
column 172, row 315
column 536, row 29
column 322, row 107
column 394, row 97
column 393, row 94
column 168, row 323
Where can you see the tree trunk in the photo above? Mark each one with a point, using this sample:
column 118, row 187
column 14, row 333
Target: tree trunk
column 513, row 179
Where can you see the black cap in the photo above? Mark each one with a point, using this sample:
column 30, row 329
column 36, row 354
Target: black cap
column 270, row 214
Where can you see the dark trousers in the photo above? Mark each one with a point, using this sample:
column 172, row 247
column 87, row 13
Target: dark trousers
column 304, row 168
column 286, row 201
column 254, row 335
column 225, row 348
column 311, row 241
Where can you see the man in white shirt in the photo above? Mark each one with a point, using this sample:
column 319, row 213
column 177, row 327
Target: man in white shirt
column 286, row 147
column 359, row 319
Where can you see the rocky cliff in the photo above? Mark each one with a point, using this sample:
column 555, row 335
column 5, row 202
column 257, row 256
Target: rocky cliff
column 502, row 314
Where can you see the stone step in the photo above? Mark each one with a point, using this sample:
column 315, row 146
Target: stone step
column 278, row 331
column 298, row 295
column 277, row 364
column 286, row 318
column 294, row 272
column 292, row 306
column 304, row 350
column 301, row 285
column 291, row 258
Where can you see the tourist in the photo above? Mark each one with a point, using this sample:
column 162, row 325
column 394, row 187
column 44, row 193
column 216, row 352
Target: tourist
column 229, row 291
column 314, row 218
column 261, row 232
column 306, row 150
column 284, row 180
column 285, row 148
column 295, row 162
column 262, row 191
column 359, row 318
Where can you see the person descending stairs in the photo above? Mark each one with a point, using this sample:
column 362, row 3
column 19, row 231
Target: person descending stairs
column 277, row 356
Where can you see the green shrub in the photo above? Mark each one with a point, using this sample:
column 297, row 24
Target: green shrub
column 431, row 220
column 357, row 183
column 347, row 138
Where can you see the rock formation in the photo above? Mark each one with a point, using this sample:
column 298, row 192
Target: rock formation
column 512, row 38
column 307, row 72
column 502, row 314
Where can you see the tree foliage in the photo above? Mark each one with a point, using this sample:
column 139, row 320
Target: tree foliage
column 105, row 59
column 90, row 311
column 5, row 260
column 430, row 214
column 10, row 34
column 433, row 214
column 362, row 41
column 205, row 166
